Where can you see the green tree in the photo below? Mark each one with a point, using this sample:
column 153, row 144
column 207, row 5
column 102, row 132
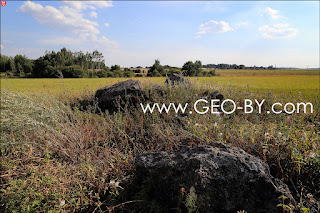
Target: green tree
column 3, row 62
column 43, row 69
column 192, row 69
column 23, row 66
column 156, row 69
column 10, row 66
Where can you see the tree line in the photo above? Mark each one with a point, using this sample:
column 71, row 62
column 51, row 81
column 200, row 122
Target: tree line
column 188, row 69
column 68, row 64
column 63, row 63
column 235, row 66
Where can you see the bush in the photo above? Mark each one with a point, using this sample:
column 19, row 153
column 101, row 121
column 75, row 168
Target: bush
column 73, row 71
column 128, row 74
column 140, row 75
column 117, row 74
column 103, row 73
column 156, row 70
column 212, row 72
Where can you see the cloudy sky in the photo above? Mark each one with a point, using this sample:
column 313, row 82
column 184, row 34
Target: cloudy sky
column 133, row 33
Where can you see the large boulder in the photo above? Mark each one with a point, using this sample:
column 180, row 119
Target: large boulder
column 175, row 79
column 119, row 95
column 217, row 178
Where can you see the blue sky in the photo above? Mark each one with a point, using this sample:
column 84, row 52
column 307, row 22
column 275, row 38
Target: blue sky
column 135, row 33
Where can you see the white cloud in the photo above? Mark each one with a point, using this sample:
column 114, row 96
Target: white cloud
column 93, row 14
column 66, row 18
column 62, row 41
column 242, row 24
column 76, row 4
column 80, row 5
column 106, row 24
column 90, row 43
column 103, row 43
column 100, row 4
column 198, row 37
column 273, row 13
column 69, row 18
column 214, row 27
column 278, row 31
column 281, row 25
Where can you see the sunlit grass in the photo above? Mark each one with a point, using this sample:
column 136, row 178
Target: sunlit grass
column 234, row 72
column 305, row 85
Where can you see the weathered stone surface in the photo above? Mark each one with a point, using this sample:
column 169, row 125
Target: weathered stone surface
column 158, row 89
column 174, row 79
column 213, row 95
column 225, row 179
column 123, row 93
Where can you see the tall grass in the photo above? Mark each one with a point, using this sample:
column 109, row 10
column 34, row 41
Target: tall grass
column 55, row 156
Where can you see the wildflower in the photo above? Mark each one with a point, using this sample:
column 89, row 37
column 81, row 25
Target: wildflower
column 114, row 183
column 266, row 135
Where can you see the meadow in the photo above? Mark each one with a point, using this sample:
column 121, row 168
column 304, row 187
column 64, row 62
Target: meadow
column 296, row 82
column 58, row 157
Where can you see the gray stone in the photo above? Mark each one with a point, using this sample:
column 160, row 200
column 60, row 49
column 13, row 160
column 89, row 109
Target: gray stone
column 224, row 178
column 119, row 95
column 175, row 79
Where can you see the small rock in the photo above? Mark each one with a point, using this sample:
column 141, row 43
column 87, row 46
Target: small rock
column 175, row 79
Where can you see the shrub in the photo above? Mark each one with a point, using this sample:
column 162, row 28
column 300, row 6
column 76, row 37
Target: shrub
column 103, row 73
column 73, row 71
column 140, row 75
column 128, row 74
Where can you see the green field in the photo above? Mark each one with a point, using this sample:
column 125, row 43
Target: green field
column 305, row 85
column 234, row 72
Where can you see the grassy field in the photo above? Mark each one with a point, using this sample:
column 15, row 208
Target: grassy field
column 306, row 85
column 231, row 72
column 57, row 158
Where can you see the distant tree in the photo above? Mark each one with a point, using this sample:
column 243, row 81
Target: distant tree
column 128, row 73
column 198, row 67
column 115, row 68
column 23, row 66
column 97, row 58
column 10, row 66
column 4, row 60
column 192, row 69
column 117, row 73
column 242, row 67
column 174, row 70
column 156, row 69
